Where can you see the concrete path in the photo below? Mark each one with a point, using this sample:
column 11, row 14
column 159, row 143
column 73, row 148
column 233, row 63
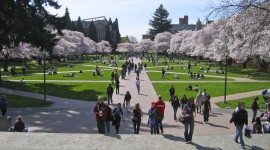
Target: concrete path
column 53, row 141
column 73, row 116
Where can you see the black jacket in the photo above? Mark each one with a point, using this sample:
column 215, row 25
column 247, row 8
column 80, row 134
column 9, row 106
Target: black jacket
column 254, row 105
column 127, row 97
column 172, row 91
column 240, row 117
column 109, row 90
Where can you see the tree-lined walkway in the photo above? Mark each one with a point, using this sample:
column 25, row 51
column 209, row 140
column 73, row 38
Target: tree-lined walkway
column 74, row 116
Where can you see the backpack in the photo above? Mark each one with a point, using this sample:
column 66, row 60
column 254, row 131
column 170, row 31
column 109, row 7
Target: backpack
column 154, row 112
column 264, row 92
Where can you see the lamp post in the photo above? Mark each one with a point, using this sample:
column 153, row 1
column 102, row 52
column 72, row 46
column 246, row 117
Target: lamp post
column 44, row 69
column 226, row 54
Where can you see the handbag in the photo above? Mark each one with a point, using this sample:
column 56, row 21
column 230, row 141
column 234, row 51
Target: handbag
column 248, row 132
column 135, row 120
column 182, row 118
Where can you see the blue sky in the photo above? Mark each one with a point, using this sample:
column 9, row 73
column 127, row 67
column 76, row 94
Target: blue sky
column 133, row 15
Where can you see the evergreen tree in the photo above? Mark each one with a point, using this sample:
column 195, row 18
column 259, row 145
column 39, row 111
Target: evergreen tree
column 108, row 35
column 92, row 32
column 160, row 22
column 73, row 26
column 67, row 20
column 199, row 25
column 118, row 35
column 79, row 25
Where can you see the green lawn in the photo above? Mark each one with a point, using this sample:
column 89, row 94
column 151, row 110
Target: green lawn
column 80, row 91
column 156, row 76
column 80, row 76
column 21, row 101
column 233, row 71
column 234, row 103
column 213, row 89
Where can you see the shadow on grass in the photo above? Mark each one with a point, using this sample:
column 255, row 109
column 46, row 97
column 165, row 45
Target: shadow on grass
column 59, row 90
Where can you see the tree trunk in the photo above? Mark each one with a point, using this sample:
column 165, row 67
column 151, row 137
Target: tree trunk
column 6, row 64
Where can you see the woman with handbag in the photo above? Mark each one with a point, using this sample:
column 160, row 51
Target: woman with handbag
column 189, row 111
column 137, row 118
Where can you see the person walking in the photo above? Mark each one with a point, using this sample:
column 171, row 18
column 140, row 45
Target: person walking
column 3, row 105
column 117, row 114
column 175, row 104
column 172, row 92
column 189, row 111
column 110, row 93
column 206, row 110
column 254, row 108
column 138, row 72
column 199, row 101
column 117, row 86
column 100, row 111
column 184, row 101
column 112, row 77
column 151, row 120
column 137, row 118
column 138, row 84
column 108, row 119
column 135, row 68
column 145, row 66
column 23, row 70
column 162, row 73
column 240, row 117
column 127, row 99
column 160, row 105
column 189, row 67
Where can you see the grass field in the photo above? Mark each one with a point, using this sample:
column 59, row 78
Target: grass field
column 156, row 76
column 213, row 89
column 80, row 91
column 234, row 103
column 15, row 101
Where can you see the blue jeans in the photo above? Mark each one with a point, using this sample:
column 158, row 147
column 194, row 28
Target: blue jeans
column 254, row 115
column 159, row 125
column 239, row 133
column 153, row 129
column 190, row 123
column 108, row 124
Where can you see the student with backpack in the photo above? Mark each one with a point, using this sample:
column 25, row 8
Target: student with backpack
column 151, row 120
column 190, row 112
column 158, row 112
column 117, row 114
column 137, row 118
column 240, row 117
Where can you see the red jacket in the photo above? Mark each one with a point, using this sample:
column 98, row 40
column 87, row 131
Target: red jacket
column 160, row 105
column 100, row 107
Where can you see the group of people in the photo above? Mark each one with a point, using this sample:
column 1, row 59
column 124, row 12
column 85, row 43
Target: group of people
column 196, row 88
column 19, row 124
column 196, row 76
column 52, row 71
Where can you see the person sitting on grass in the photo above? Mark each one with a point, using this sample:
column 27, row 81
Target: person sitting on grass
column 191, row 75
column 189, row 88
column 50, row 71
column 70, row 75
column 176, row 76
column 202, row 76
column 196, row 88
column 198, row 76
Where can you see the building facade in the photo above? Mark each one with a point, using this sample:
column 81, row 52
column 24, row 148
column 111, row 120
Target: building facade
column 101, row 25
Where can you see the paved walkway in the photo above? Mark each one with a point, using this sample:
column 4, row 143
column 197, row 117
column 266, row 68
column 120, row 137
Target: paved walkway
column 80, row 119
column 64, row 141
column 73, row 116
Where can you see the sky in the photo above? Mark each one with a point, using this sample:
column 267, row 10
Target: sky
column 133, row 15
